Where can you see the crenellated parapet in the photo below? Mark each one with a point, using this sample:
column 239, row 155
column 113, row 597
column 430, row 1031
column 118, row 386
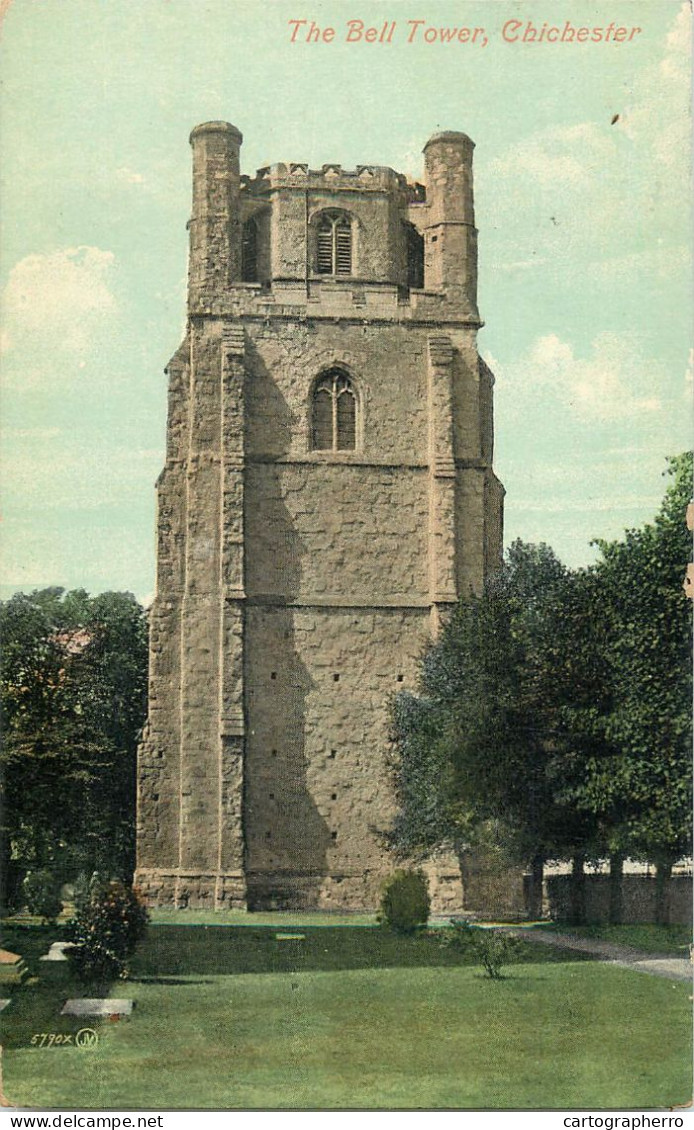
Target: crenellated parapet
column 330, row 177
column 360, row 227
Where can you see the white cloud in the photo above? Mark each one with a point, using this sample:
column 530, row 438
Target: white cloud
column 570, row 157
column 614, row 382
column 521, row 264
column 665, row 90
column 593, row 185
column 411, row 160
column 61, row 297
column 129, row 176
column 679, row 38
column 551, row 356
column 559, row 157
column 660, row 261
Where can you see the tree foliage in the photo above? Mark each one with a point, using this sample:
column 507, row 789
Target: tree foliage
column 484, row 741
column 42, row 896
column 557, row 705
column 73, row 677
column 641, row 778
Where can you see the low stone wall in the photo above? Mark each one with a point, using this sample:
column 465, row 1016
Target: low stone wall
column 638, row 898
column 492, row 886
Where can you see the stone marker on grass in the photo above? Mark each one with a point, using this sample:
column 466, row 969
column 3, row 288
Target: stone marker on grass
column 290, row 937
column 57, row 951
column 3, row 1004
column 12, row 968
column 97, row 1006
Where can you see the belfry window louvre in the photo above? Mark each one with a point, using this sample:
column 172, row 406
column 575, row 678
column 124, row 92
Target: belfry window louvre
column 325, row 248
column 334, row 414
column 343, row 248
column 334, row 244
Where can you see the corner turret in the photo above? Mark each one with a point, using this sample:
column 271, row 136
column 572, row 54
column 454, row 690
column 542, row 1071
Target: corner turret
column 450, row 233
column 215, row 232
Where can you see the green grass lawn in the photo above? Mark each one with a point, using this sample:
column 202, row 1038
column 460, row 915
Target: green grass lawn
column 279, row 918
column 671, row 940
column 358, row 1018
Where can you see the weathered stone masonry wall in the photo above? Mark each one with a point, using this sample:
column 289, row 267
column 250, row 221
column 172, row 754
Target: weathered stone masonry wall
column 297, row 588
column 323, row 531
column 318, row 681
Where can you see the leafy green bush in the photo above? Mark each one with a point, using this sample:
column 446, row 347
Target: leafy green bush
column 460, row 936
column 495, row 950
column 405, row 901
column 490, row 948
column 42, row 895
column 94, row 963
column 106, row 930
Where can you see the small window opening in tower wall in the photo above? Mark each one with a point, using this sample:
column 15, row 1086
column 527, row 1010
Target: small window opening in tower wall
column 400, row 678
column 334, row 413
column 333, row 835
column 332, row 754
column 415, row 257
column 249, row 252
column 334, row 244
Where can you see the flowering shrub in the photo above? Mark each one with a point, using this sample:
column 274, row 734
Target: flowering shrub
column 106, row 930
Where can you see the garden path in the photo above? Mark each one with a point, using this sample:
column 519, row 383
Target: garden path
column 663, row 965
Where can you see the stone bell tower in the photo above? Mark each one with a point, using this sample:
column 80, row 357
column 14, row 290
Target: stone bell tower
column 327, row 494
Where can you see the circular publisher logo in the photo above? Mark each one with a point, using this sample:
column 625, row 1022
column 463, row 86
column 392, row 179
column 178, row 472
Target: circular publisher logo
column 86, row 1038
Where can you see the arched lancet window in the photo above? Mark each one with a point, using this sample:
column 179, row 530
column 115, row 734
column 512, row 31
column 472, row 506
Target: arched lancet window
column 249, row 252
column 334, row 413
column 334, row 244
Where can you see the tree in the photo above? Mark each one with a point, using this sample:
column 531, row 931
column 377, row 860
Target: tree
column 558, row 705
column 73, row 679
column 639, row 779
column 486, row 740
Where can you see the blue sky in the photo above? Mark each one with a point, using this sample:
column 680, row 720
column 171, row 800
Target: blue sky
column 585, row 260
